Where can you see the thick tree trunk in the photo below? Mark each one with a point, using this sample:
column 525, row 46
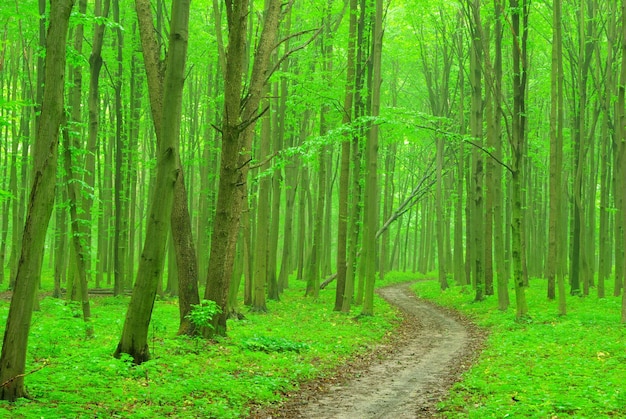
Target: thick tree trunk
column 237, row 133
column 182, row 238
column 41, row 201
column 135, row 332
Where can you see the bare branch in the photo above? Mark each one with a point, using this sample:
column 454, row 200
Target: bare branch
column 490, row 154
column 296, row 49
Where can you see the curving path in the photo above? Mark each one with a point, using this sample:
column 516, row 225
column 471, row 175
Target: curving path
column 435, row 347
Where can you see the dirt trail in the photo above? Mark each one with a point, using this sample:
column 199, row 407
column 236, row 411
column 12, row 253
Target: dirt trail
column 407, row 378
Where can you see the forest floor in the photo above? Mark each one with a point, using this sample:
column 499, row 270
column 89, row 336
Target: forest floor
column 403, row 378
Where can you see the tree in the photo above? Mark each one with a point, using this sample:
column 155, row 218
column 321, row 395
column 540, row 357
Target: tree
column 240, row 115
column 370, row 219
column 556, row 157
column 185, row 254
column 519, row 11
column 476, row 127
column 135, row 331
column 344, row 171
column 621, row 149
column 41, row 201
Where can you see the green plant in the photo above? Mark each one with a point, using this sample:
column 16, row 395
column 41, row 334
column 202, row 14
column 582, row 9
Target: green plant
column 202, row 314
column 270, row 344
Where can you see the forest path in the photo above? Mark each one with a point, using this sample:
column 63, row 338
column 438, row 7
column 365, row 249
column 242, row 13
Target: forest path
column 407, row 378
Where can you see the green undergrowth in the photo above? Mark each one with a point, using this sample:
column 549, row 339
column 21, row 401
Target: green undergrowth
column 263, row 356
column 545, row 367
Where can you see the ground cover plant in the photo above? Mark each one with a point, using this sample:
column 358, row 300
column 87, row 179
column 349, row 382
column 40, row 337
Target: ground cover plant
column 263, row 356
column 549, row 366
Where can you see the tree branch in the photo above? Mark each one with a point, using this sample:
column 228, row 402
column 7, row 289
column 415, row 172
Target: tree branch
column 490, row 154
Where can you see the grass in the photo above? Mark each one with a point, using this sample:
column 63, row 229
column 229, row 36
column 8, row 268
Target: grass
column 548, row 367
column 263, row 356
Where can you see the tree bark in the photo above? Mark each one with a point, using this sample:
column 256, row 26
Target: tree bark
column 370, row 220
column 41, row 201
column 182, row 238
column 237, row 132
column 93, row 104
column 135, row 332
column 520, row 33
column 556, row 158
column 621, row 149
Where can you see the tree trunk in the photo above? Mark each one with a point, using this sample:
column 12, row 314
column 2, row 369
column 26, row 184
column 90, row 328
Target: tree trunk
column 41, row 201
column 182, row 238
column 121, row 215
column 237, row 132
column 135, row 332
column 621, row 149
column 93, row 104
column 556, row 158
column 517, row 148
column 259, row 277
column 370, row 219
column 476, row 124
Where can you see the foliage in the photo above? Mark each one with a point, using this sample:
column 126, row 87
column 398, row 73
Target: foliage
column 202, row 314
column 272, row 344
column 264, row 356
column 551, row 366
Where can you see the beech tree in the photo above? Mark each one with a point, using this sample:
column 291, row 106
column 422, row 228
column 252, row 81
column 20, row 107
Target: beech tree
column 241, row 112
column 41, row 201
column 135, row 332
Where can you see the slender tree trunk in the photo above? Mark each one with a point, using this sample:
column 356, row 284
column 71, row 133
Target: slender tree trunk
column 519, row 11
column 459, row 260
column 186, row 260
column 476, row 124
column 77, row 233
column 370, row 220
column 259, row 277
column 93, row 104
column 498, row 210
column 119, row 239
column 556, row 157
column 621, row 149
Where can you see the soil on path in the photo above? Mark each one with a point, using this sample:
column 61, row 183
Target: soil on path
column 404, row 378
